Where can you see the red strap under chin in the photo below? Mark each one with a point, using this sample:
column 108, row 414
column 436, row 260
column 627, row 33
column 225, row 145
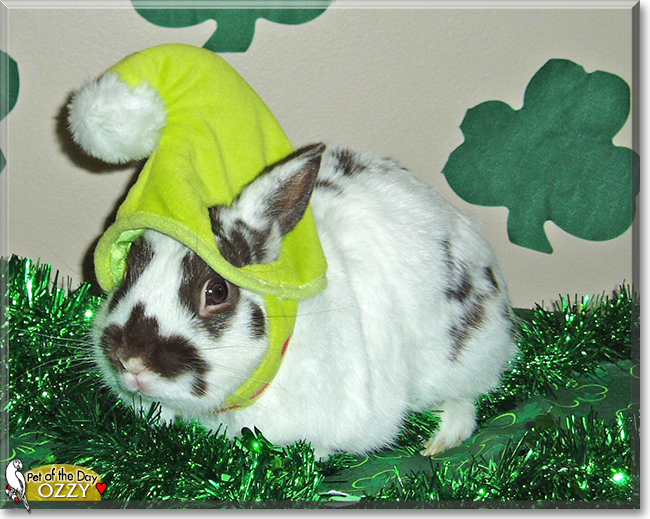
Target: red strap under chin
column 260, row 391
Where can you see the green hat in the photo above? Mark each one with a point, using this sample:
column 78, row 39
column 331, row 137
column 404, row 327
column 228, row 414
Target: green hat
column 207, row 134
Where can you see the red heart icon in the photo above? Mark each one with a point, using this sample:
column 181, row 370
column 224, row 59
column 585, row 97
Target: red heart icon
column 101, row 487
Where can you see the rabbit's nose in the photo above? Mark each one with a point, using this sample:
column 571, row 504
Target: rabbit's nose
column 133, row 365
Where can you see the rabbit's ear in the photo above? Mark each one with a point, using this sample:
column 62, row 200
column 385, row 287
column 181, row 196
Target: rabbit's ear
column 251, row 230
column 287, row 188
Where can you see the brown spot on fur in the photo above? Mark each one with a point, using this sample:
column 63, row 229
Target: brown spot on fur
column 464, row 289
column 235, row 248
column 346, row 162
column 215, row 217
column 474, row 318
column 453, row 268
column 329, row 186
column 461, row 289
column 140, row 256
column 489, row 274
column 258, row 323
column 242, row 245
column 257, row 240
column 233, row 244
column 110, row 342
column 168, row 356
column 199, row 387
column 471, row 320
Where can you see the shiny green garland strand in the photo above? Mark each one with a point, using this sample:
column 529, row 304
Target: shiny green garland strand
column 55, row 391
column 558, row 345
column 579, row 459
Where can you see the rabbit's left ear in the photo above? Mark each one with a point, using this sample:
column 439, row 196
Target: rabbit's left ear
column 251, row 230
column 287, row 188
column 279, row 197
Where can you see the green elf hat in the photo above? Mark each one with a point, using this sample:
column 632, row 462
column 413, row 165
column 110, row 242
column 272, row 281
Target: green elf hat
column 206, row 134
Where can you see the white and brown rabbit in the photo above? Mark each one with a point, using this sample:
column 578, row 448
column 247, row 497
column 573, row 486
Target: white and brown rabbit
column 415, row 315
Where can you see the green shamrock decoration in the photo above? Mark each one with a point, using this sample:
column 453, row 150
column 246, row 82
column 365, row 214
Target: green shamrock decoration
column 9, row 84
column 235, row 27
column 553, row 159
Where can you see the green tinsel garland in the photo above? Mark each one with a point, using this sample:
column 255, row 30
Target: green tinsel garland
column 53, row 395
column 582, row 459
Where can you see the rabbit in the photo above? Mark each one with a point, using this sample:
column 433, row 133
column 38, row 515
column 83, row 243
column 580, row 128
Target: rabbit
column 415, row 316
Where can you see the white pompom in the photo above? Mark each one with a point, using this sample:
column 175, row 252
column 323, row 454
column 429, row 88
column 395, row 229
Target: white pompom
column 115, row 123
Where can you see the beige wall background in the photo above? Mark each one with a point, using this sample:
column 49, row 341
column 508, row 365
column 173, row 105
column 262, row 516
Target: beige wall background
column 396, row 81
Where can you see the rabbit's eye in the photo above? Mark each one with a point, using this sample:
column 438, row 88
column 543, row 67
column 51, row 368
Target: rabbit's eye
column 216, row 292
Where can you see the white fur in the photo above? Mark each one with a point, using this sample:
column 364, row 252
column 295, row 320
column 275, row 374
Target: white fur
column 115, row 123
column 376, row 343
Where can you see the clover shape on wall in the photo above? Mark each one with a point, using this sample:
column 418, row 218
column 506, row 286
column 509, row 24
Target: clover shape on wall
column 553, row 159
column 9, row 84
column 235, row 25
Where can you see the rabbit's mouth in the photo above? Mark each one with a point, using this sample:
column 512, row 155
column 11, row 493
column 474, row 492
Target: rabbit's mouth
column 185, row 392
column 139, row 381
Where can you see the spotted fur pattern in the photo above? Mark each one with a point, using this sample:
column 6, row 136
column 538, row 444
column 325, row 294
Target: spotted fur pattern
column 155, row 332
column 415, row 316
